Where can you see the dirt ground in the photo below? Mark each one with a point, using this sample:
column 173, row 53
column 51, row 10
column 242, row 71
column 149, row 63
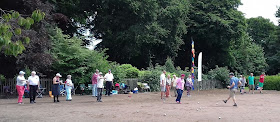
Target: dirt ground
column 201, row 106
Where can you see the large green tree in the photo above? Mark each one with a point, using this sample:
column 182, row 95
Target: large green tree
column 213, row 25
column 136, row 32
column 264, row 33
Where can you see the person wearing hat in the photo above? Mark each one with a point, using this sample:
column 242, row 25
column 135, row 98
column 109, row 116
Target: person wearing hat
column 234, row 83
column 109, row 77
column 68, row 87
column 55, row 87
column 20, row 86
column 100, row 80
column 33, row 85
column 180, row 88
column 94, row 83
column 173, row 85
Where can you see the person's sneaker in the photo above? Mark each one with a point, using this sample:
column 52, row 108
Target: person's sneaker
column 235, row 104
column 31, row 102
column 34, row 101
column 19, row 103
column 22, row 103
column 57, row 100
column 100, row 100
column 54, row 101
column 225, row 101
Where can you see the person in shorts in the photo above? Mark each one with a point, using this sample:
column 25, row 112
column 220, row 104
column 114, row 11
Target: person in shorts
column 162, row 83
column 234, row 83
column 261, row 82
column 251, row 83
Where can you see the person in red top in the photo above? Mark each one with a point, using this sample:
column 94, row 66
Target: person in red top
column 94, row 83
column 261, row 81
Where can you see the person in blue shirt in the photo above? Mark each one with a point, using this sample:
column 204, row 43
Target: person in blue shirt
column 234, row 83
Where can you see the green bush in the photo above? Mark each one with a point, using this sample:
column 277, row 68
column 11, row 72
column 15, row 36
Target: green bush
column 119, row 73
column 220, row 74
column 130, row 71
column 152, row 77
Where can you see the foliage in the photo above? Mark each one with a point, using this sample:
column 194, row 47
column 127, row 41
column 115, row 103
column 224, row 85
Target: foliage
column 247, row 57
column 169, row 64
column 264, row 33
column 11, row 24
column 118, row 72
column 134, row 31
column 2, row 78
column 220, row 74
column 71, row 58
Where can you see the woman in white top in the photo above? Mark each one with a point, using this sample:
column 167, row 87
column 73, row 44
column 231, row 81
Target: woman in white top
column 20, row 86
column 68, row 86
column 33, row 85
column 100, row 81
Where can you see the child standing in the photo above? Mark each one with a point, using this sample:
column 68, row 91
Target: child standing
column 100, row 81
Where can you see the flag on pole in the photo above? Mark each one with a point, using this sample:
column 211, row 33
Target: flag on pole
column 193, row 56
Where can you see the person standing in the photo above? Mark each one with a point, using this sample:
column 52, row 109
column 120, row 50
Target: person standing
column 20, row 86
column 234, row 83
column 162, row 83
column 109, row 77
column 94, row 83
column 180, row 88
column 243, row 82
column 189, row 85
column 168, row 83
column 55, row 87
column 68, row 86
column 251, row 83
column 173, row 85
column 261, row 82
column 33, row 85
column 100, row 80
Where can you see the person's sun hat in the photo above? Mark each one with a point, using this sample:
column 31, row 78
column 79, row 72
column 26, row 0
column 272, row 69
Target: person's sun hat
column 231, row 74
column 21, row 72
column 33, row 72
column 183, row 75
column 58, row 75
column 100, row 73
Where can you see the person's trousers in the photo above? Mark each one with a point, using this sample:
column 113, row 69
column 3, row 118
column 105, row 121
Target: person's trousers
column 189, row 90
column 99, row 94
column 33, row 89
column 68, row 93
column 108, row 87
column 20, row 90
column 175, row 92
column 94, row 90
column 179, row 92
column 167, row 90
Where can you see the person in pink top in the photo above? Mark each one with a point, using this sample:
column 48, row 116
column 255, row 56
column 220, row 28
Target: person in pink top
column 180, row 88
column 94, row 83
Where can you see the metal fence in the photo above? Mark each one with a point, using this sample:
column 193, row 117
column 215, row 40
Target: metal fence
column 45, row 83
column 207, row 84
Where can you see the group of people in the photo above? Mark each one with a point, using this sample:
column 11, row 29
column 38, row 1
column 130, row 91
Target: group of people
column 33, row 85
column 235, row 83
column 176, row 84
column 97, row 84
